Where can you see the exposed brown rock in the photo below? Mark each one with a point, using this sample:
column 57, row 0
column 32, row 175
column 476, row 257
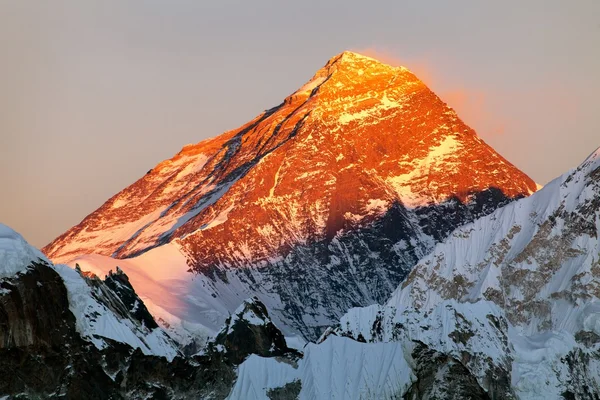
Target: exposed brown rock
column 340, row 151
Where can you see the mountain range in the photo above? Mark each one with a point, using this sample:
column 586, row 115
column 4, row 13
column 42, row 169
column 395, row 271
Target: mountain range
column 357, row 241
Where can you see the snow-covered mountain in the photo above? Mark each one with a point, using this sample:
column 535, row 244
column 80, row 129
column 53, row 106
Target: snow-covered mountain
column 363, row 189
column 65, row 333
column 506, row 307
column 320, row 204
column 105, row 310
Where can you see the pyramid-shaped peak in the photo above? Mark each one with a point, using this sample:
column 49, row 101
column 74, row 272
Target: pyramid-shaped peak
column 351, row 58
column 356, row 68
column 353, row 73
column 357, row 120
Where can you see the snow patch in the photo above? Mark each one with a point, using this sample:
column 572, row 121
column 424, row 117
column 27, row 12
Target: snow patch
column 310, row 85
column 15, row 253
column 94, row 321
column 444, row 154
column 339, row 368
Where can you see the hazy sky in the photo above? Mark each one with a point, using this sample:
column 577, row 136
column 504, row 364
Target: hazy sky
column 95, row 93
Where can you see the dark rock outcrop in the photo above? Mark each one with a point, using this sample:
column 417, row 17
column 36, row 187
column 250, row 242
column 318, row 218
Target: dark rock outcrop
column 440, row 376
column 250, row 331
column 47, row 357
column 119, row 284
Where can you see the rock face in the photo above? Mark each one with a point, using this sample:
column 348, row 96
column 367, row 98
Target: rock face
column 442, row 377
column 119, row 284
column 320, row 204
column 45, row 353
column 512, row 298
column 250, row 331
column 58, row 340
column 34, row 309
column 504, row 308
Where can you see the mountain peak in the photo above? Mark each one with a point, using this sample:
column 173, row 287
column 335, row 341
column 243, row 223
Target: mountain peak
column 359, row 137
column 15, row 253
column 351, row 58
column 363, row 66
column 361, row 169
column 351, row 78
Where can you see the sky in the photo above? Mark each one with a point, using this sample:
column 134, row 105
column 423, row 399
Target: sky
column 95, row 93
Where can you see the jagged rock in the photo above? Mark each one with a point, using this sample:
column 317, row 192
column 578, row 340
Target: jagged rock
column 250, row 331
column 33, row 309
column 289, row 391
column 442, row 377
column 47, row 354
column 53, row 349
column 120, row 285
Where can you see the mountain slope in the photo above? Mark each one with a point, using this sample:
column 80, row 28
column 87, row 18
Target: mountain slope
column 513, row 297
column 68, row 334
column 506, row 308
column 355, row 121
column 105, row 310
column 320, row 204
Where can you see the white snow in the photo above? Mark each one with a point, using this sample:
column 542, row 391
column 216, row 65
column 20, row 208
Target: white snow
column 15, row 253
column 409, row 186
column 536, row 362
column 345, row 118
column 272, row 190
column 310, row 85
column 295, row 342
column 247, row 315
column 256, row 375
column 219, row 219
column 338, row 368
column 252, row 318
column 95, row 321
column 376, row 206
column 554, row 259
column 385, row 104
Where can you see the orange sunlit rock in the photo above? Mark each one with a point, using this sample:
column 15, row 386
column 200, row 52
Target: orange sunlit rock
column 336, row 154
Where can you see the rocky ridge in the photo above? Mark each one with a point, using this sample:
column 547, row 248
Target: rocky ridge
column 54, row 347
column 505, row 308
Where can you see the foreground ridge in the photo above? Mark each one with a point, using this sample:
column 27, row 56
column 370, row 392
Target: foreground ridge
column 70, row 334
